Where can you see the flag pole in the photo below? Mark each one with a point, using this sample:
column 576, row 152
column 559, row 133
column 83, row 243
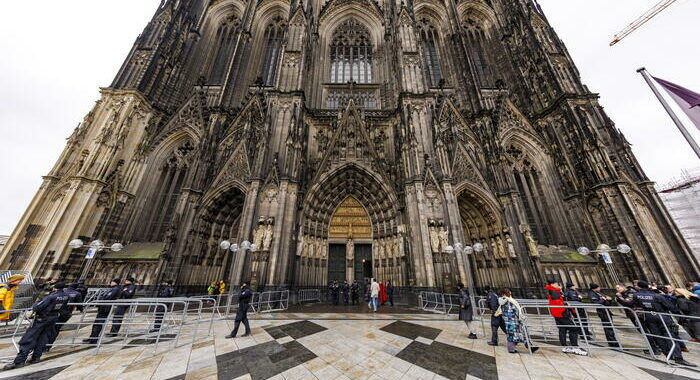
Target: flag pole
column 668, row 109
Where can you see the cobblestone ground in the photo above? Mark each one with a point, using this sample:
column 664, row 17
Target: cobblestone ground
column 340, row 346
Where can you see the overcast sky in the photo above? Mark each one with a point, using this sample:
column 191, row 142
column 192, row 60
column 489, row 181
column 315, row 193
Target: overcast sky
column 56, row 54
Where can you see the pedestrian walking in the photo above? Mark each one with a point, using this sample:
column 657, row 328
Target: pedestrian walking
column 689, row 304
column 7, row 295
column 382, row 294
column 244, row 297
column 604, row 314
column 466, row 310
column 128, row 291
column 103, row 311
column 222, row 287
column 657, row 325
column 46, row 313
column 496, row 320
column 390, row 292
column 511, row 313
column 213, row 288
column 562, row 317
column 373, row 295
column 166, row 291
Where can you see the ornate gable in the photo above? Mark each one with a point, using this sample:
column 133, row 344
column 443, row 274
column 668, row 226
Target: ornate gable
column 237, row 168
column 508, row 117
column 350, row 141
column 463, row 169
column 192, row 115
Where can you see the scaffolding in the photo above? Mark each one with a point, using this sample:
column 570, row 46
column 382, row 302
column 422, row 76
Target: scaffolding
column 682, row 199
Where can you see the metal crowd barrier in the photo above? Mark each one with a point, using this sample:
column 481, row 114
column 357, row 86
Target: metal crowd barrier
column 671, row 331
column 15, row 324
column 267, row 302
column 307, row 295
column 94, row 294
column 181, row 320
column 625, row 336
column 443, row 303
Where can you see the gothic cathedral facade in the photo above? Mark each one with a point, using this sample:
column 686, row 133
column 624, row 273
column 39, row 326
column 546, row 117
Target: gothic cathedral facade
column 349, row 139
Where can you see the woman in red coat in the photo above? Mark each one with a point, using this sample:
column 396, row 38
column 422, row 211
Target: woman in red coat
column 382, row 293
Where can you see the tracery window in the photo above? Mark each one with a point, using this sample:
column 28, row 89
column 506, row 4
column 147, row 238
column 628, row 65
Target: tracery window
column 225, row 40
column 161, row 206
column 530, row 185
column 476, row 40
column 351, row 54
column 431, row 56
column 274, row 34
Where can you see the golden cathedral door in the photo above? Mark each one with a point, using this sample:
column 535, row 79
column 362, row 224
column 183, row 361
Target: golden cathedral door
column 350, row 243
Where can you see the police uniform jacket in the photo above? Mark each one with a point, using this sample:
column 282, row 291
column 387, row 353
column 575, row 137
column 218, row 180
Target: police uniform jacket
column 244, row 297
column 52, row 305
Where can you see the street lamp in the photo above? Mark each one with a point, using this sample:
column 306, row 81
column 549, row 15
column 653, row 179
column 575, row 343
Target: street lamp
column 603, row 250
column 469, row 249
column 94, row 247
column 235, row 247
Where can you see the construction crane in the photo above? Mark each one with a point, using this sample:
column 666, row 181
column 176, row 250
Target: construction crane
column 663, row 4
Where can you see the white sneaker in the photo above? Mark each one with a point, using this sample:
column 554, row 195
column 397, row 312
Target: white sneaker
column 579, row 351
column 567, row 350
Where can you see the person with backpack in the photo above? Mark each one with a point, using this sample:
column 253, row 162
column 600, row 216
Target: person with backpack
column 496, row 320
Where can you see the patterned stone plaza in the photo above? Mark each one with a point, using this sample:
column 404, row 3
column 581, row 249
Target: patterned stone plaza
column 341, row 346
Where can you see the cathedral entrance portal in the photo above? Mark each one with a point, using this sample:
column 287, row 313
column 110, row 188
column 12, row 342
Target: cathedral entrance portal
column 350, row 248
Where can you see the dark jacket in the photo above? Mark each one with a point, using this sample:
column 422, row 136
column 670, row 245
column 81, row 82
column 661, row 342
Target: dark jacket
column 599, row 298
column 647, row 300
column 245, row 295
column 166, row 292
column 466, row 312
column 52, row 305
column 113, row 294
column 492, row 301
column 74, row 296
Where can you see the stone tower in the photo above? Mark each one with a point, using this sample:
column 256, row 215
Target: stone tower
column 349, row 139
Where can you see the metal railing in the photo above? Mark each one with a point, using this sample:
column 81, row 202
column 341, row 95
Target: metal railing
column 443, row 303
column 267, row 302
column 141, row 321
column 308, row 295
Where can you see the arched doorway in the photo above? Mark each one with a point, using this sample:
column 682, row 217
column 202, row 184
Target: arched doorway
column 350, row 213
column 350, row 243
column 482, row 223
column 220, row 218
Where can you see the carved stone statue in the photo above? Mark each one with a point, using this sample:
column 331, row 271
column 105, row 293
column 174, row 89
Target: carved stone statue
column 259, row 233
column 267, row 235
column 499, row 246
column 443, row 235
column 350, row 249
column 434, row 237
column 511, row 248
column 530, row 242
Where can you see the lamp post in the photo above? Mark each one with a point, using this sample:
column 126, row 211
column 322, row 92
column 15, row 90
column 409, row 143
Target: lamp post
column 469, row 249
column 603, row 250
column 234, row 248
column 94, row 247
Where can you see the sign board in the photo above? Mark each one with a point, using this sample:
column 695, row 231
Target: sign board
column 606, row 257
column 90, row 253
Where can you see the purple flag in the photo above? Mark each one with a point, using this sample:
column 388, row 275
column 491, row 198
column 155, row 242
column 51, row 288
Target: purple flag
column 689, row 101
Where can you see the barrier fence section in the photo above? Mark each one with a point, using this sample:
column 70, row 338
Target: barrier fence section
column 670, row 334
column 597, row 326
column 126, row 323
column 267, row 302
column 308, row 295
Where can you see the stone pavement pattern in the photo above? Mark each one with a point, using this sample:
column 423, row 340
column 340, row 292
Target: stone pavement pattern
column 317, row 346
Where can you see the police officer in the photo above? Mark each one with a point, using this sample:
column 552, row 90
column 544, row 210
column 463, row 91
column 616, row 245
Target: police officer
column 346, row 293
column 103, row 311
column 127, row 293
column 571, row 294
column 355, row 292
column 652, row 303
column 496, row 321
column 335, row 293
column 244, row 297
column 73, row 297
column 166, row 291
column 83, row 290
column 601, row 299
column 46, row 313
